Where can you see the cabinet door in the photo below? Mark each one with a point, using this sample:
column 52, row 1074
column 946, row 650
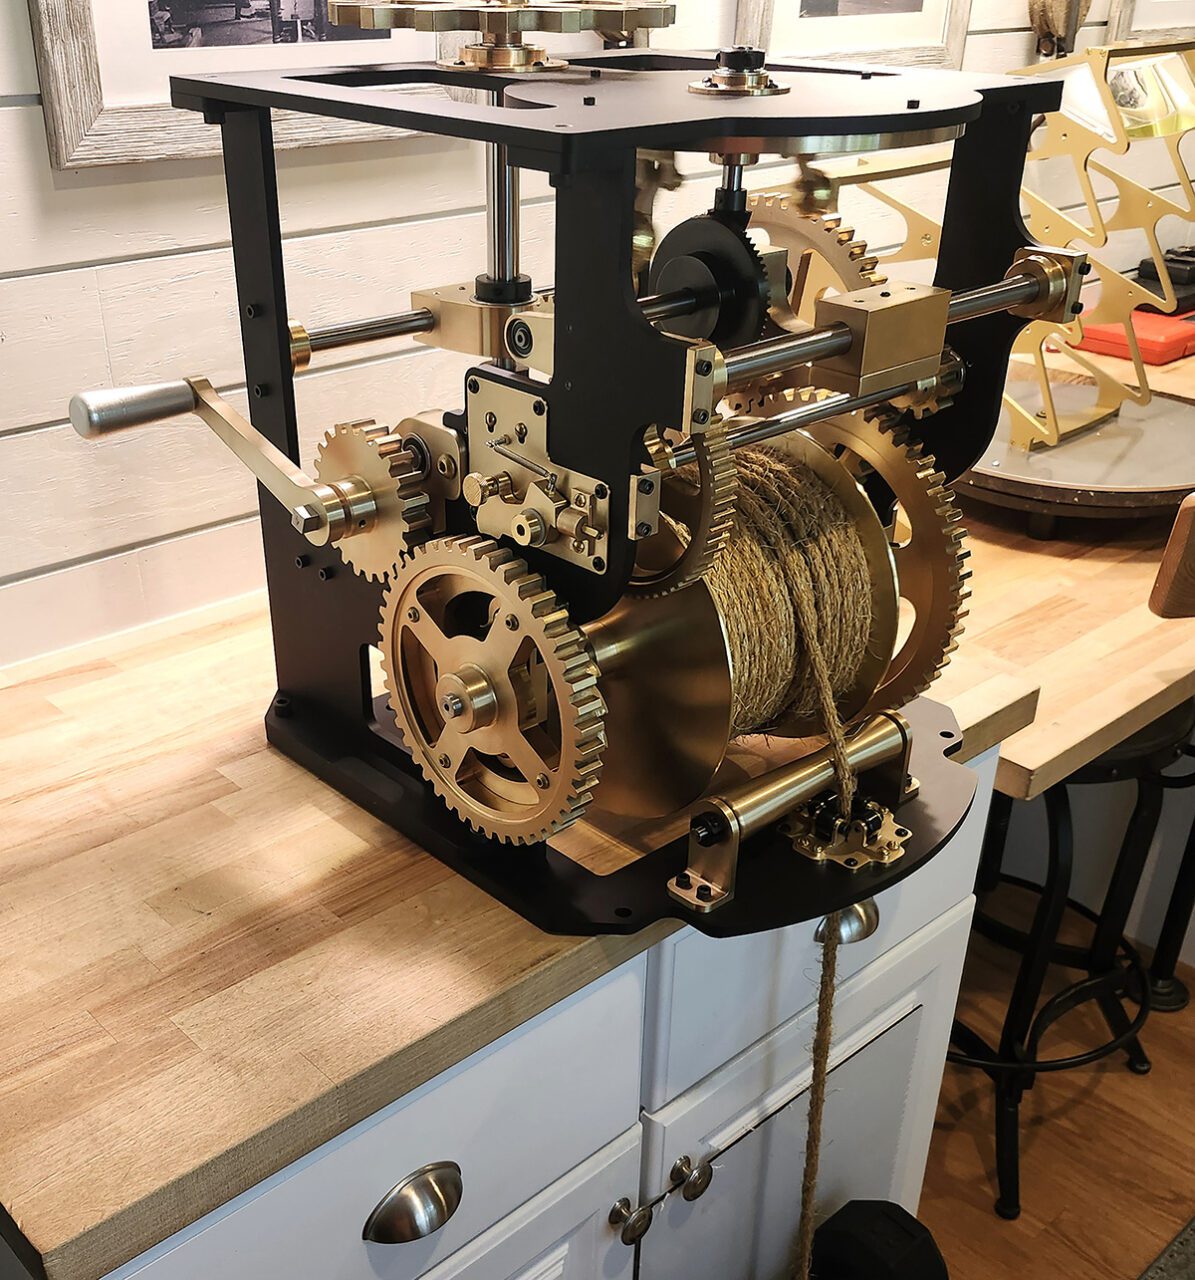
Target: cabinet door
column 745, row 1225
column 748, row 1120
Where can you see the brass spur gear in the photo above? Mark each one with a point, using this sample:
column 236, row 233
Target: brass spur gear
column 374, row 456
column 930, row 557
column 494, row 690
column 703, row 499
column 822, row 254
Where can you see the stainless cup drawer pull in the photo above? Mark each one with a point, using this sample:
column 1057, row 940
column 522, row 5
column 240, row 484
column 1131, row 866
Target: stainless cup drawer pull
column 418, row 1206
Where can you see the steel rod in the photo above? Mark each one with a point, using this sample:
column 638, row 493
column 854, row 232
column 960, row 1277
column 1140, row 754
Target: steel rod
column 803, row 416
column 347, row 335
column 991, row 298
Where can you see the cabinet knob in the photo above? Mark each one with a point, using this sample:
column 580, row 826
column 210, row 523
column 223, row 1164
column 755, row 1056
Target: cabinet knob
column 693, row 1179
column 417, row 1207
column 854, row 923
column 634, row 1222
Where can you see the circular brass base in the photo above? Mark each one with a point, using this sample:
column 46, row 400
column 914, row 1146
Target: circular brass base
column 507, row 58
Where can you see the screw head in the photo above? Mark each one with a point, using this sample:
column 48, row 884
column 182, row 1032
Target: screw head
column 474, row 386
column 643, row 529
column 446, row 466
column 684, row 880
column 491, row 420
column 542, row 781
column 512, row 623
column 703, row 368
column 444, row 760
column 646, row 486
column 701, row 416
column 600, row 491
column 704, row 892
column 412, row 615
column 452, row 705
column 540, row 408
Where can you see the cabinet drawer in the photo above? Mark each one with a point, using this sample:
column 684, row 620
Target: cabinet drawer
column 710, row 998
column 515, row 1117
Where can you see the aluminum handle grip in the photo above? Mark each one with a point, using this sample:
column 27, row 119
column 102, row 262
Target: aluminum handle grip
column 98, row 413
column 417, row 1207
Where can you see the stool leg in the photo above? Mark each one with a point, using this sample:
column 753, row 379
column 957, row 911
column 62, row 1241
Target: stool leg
column 1026, row 993
column 995, row 837
column 1169, row 993
column 1118, row 902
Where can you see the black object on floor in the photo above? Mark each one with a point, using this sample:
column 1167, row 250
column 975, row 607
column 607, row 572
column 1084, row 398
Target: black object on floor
column 1114, row 970
column 1177, row 1260
column 875, row 1240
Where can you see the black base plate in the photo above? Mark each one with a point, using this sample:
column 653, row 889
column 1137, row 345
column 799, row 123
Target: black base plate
column 776, row 887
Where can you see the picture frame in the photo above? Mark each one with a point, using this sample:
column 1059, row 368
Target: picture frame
column 1151, row 21
column 936, row 29
column 90, row 123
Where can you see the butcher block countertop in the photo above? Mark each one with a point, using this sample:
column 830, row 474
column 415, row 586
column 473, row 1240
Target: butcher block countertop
column 213, row 963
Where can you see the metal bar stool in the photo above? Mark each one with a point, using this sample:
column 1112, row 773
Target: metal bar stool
column 1112, row 966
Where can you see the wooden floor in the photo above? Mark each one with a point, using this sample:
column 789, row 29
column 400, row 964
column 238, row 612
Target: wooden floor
column 1108, row 1157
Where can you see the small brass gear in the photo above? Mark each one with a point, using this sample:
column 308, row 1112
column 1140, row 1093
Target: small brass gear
column 494, row 690
column 822, row 254
column 702, row 499
column 376, row 457
column 930, row 560
column 936, row 393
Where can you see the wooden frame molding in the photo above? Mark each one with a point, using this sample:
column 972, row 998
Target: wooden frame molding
column 84, row 133
column 1121, row 27
column 754, row 20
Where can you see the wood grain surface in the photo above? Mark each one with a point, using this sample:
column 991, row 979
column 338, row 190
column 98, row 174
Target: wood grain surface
column 213, row 962
column 1071, row 616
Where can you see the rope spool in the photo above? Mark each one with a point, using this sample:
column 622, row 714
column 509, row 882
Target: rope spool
column 794, row 591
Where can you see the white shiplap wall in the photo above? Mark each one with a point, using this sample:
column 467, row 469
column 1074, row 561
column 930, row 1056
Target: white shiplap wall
column 125, row 275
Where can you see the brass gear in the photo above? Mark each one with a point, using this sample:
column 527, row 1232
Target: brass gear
column 930, row 564
column 936, row 393
column 704, row 503
column 822, row 254
column 378, row 458
column 495, row 691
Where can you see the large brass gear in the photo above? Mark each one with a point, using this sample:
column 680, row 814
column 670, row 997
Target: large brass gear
column 704, row 501
column 377, row 458
column 822, row 254
column 493, row 688
column 930, row 561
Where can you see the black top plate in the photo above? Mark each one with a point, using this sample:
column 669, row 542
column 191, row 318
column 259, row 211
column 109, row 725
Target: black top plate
column 638, row 99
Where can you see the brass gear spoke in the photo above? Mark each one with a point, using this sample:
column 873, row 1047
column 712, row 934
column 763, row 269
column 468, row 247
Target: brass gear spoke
column 465, row 704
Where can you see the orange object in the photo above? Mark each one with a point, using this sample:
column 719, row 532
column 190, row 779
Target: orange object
column 1162, row 339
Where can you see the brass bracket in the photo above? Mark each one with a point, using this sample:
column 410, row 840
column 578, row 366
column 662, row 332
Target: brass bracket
column 643, row 509
column 705, row 385
column 873, row 834
column 1060, row 272
column 897, row 335
column 462, row 323
column 530, row 337
column 519, row 492
column 880, row 749
column 444, row 461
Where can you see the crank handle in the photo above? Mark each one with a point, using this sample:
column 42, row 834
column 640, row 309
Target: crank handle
column 322, row 513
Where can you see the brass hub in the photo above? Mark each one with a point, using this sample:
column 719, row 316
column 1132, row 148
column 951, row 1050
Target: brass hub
column 468, row 698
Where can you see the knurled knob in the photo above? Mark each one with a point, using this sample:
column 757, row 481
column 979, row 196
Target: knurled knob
column 741, row 58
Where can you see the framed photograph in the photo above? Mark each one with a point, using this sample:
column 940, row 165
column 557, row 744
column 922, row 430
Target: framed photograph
column 916, row 32
column 105, row 68
column 1153, row 21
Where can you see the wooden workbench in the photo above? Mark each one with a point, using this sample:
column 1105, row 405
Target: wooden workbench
column 1070, row 616
column 212, row 963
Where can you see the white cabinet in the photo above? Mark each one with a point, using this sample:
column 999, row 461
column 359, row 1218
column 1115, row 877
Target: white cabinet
column 892, row 1022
